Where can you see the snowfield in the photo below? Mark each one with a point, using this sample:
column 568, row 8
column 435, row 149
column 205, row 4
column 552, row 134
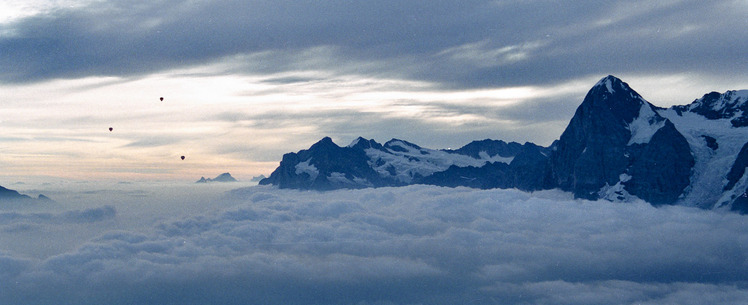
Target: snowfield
column 404, row 161
column 407, row 245
column 708, row 176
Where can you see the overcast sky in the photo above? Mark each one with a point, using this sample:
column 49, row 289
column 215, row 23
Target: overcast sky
column 246, row 81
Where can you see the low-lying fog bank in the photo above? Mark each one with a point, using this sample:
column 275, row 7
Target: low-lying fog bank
column 209, row 244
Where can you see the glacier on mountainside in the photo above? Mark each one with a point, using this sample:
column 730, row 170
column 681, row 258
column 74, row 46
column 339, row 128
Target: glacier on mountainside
column 405, row 161
column 708, row 176
column 617, row 146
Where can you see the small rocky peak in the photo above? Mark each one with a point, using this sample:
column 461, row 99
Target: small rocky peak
column 363, row 144
column 613, row 96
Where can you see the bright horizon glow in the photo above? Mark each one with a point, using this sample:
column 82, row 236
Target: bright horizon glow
column 243, row 86
column 245, row 82
column 148, row 135
column 217, row 121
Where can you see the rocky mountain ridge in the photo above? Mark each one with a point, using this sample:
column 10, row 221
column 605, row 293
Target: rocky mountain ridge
column 617, row 146
column 13, row 195
column 225, row 177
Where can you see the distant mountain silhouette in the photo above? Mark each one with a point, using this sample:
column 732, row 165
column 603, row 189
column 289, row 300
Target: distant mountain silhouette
column 12, row 195
column 225, row 177
column 258, row 178
column 617, row 146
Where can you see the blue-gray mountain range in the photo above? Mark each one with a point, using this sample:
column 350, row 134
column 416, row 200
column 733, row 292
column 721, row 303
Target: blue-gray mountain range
column 13, row 195
column 225, row 177
column 617, row 146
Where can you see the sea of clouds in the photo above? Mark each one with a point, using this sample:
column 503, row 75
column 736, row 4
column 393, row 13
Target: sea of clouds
column 408, row 245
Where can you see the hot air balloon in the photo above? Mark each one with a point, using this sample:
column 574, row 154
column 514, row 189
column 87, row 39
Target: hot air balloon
column 110, row 129
column 161, row 98
column 182, row 157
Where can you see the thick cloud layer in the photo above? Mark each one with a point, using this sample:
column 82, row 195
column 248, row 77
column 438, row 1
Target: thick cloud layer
column 410, row 245
column 457, row 43
column 247, row 81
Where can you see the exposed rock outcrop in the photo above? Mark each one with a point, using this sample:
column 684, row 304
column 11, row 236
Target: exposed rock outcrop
column 225, row 177
column 617, row 146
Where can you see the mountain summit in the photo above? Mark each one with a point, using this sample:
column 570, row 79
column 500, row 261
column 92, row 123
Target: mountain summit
column 731, row 105
column 617, row 146
column 325, row 166
column 8, row 195
column 225, row 177
column 616, row 139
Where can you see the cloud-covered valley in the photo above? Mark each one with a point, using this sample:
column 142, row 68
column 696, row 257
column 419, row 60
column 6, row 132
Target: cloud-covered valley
column 409, row 245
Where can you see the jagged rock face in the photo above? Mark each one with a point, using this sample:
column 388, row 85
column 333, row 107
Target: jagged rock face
column 398, row 145
column 740, row 204
column 711, row 142
column 738, row 168
column 366, row 163
column 527, row 171
column 325, row 166
column 491, row 175
column 617, row 146
column 660, row 170
column 591, row 151
column 739, row 193
column 489, row 147
column 615, row 132
column 363, row 144
column 285, row 176
column 714, row 105
column 531, row 168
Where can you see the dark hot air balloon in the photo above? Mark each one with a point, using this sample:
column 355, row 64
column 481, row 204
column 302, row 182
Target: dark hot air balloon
column 161, row 98
column 182, row 157
column 110, row 128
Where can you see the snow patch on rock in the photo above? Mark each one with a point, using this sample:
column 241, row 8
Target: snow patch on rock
column 617, row 192
column 307, row 168
column 645, row 125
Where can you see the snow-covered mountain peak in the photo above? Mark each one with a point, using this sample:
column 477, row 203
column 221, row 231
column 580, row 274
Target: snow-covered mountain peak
column 613, row 99
column 363, row 144
column 356, row 141
column 325, row 142
column 722, row 102
column 732, row 105
column 402, row 146
column 729, row 99
column 608, row 82
column 611, row 85
column 617, row 146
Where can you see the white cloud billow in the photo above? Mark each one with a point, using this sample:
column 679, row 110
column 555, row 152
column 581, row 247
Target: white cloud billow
column 410, row 245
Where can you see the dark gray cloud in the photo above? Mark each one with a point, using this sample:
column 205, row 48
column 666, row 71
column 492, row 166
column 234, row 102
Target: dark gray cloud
column 410, row 245
column 15, row 222
column 75, row 216
column 250, row 81
column 455, row 43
